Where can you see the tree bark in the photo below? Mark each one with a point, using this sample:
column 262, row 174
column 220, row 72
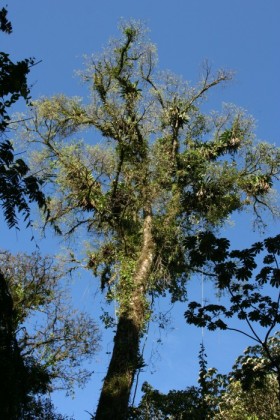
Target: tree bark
column 114, row 398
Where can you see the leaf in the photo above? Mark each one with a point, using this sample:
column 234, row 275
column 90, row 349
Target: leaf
column 273, row 245
column 264, row 275
column 275, row 278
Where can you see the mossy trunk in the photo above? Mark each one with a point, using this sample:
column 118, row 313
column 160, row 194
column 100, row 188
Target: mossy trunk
column 114, row 398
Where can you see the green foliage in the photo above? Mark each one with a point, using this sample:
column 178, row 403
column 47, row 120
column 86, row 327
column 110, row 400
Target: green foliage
column 183, row 405
column 258, row 363
column 253, row 404
column 60, row 339
column 17, row 188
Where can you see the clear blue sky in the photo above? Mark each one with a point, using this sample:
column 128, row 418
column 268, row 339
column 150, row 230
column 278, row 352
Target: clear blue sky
column 241, row 35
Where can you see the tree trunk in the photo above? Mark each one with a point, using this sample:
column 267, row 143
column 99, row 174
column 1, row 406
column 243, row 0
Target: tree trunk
column 114, row 398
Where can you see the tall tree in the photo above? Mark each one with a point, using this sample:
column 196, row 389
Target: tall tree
column 164, row 171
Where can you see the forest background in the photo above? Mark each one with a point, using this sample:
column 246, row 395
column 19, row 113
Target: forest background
column 241, row 36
